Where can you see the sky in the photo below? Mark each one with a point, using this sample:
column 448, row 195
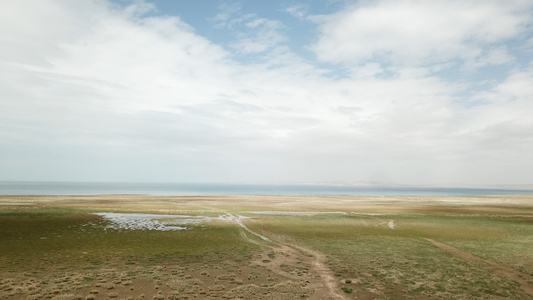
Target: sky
column 392, row 91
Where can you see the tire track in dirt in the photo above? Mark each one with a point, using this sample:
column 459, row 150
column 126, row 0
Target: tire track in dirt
column 289, row 253
column 523, row 279
column 319, row 267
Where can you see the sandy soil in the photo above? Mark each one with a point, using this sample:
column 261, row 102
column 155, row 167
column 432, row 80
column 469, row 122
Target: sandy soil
column 498, row 204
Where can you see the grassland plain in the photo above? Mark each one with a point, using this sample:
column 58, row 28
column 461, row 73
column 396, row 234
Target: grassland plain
column 269, row 247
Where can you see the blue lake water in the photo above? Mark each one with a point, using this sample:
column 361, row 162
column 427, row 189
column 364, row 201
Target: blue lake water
column 97, row 188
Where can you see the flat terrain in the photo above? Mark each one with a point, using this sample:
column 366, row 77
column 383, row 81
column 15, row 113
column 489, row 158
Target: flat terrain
column 266, row 247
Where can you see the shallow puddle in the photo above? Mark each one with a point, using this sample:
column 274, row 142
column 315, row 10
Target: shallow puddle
column 150, row 221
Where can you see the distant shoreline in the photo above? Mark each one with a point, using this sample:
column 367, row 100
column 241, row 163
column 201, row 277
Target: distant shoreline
column 516, row 205
column 200, row 189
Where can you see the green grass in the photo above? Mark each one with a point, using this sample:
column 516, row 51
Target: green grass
column 53, row 241
column 62, row 236
column 399, row 263
column 347, row 290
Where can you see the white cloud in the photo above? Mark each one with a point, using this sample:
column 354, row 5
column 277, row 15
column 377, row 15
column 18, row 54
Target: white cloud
column 496, row 56
column 419, row 32
column 299, row 11
column 226, row 13
column 260, row 35
column 32, row 30
column 366, row 70
column 107, row 93
column 253, row 34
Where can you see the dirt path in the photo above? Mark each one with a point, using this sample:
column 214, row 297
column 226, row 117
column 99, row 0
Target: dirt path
column 318, row 261
column 523, row 279
column 288, row 259
column 239, row 221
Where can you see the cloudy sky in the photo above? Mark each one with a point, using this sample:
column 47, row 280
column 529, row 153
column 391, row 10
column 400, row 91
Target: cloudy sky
column 412, row 92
